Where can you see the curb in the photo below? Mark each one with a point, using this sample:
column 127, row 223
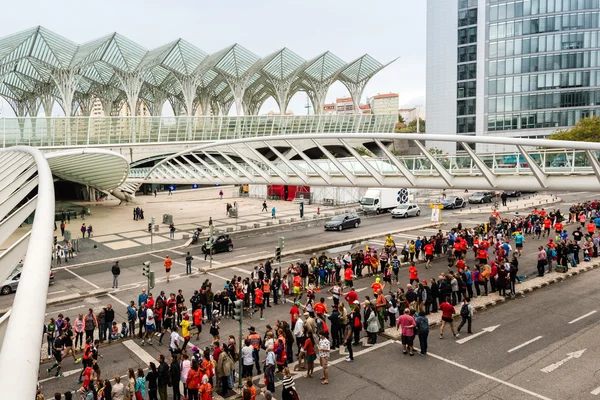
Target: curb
column 560, row 278
column 239, row 233
column 508, row 208
column 71, row 297
column 322, row 246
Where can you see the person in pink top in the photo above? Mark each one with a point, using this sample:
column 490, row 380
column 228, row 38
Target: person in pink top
column 407, row 323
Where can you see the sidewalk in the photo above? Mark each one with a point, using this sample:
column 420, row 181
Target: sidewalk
column 493, row 299
column 116, row 234
column 512, row 204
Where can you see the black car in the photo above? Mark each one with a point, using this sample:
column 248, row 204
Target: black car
column 513, row 193
column 220, row 244
column 452, row 202
column 343, row 221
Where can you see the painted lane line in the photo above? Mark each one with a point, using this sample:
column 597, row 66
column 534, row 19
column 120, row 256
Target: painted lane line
column 484, row 330
column 240, row 248
column 524, row 344
column 241, row 255
column 139, row 351
column 60, row 291
column 96, row 287
column 66, row 373
column 65, row 310
column 240, row 270
column 556, row 365
column 583, row 316
column 492, row 378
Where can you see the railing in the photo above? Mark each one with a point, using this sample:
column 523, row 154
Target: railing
column 550, row 162
column 111, row 131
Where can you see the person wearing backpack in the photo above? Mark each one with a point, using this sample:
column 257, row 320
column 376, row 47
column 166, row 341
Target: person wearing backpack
column 423, row 329
column 466, row 313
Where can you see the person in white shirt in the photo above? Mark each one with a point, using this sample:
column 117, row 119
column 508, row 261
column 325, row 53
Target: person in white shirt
column 324, row 349
column 150, row 327
column 298, row 329
column 117, row 389
column 174, row 342
column 247, row 359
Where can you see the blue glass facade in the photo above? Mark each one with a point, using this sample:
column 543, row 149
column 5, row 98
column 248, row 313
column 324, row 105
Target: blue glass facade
column 543, row 67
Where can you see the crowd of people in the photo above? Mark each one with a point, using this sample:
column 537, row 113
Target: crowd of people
column 316, row 327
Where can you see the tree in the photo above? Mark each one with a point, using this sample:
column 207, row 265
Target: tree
column 412, row 127
column 400, row 119
column 585, row 130
column 363, row 151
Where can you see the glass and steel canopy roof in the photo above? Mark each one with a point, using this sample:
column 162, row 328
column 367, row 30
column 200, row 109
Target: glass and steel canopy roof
column 30, row 59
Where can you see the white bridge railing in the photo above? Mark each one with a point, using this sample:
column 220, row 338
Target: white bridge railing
column 111, row 131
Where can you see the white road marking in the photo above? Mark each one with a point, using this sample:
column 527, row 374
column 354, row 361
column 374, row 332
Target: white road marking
column 96, row 287
column 240, row 248
column 66, row 373
column 583, row 316
column 379, row 242
column 492, row 378
column 139, row 351
column 216, row 276
column 240, row 270
column 556, row 365
column 65, row 310
column 596, row 391
column 524, row 344
column 484, row 330
column 241, row 255
column 60, row 291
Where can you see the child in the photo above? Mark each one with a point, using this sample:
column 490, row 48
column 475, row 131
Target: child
column 114, row 332
column 124, row 330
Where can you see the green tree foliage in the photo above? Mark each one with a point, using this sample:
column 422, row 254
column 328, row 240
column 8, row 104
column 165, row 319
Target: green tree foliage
column 585, row 130
column 412, row 127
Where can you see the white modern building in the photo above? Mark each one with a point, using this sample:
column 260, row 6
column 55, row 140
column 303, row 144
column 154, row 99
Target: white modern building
column 384, row 103
column 520, row 68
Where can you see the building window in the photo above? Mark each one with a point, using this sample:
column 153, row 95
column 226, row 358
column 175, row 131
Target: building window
column 467, row 71
column 466, row 89
column 467, row 53
column 465, row 125
column 467, row 17
column 466, row 107
column 467, row 35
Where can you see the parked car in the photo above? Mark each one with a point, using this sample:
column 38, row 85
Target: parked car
column 220, row 244
column 481, row 197
column 406, row 210
column 453, row 202
column 343, row 221
column 513, row 193
column 12, row 282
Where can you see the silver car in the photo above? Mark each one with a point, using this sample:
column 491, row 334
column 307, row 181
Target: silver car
column 406, row 210
column 11, row 283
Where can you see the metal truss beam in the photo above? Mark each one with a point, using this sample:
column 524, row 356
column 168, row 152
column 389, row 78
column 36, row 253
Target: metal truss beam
column 489, row 175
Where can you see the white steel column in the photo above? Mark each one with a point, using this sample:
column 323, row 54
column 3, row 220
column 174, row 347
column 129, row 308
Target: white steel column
column 19, row 354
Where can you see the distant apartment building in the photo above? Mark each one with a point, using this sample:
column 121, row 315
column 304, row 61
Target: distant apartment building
column 345, row 106
column 410, row 114
column 384, row 103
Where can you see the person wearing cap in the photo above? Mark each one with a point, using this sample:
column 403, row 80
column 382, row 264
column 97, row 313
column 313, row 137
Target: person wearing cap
column 377, row 286
column 255, row 342
column 185, row 330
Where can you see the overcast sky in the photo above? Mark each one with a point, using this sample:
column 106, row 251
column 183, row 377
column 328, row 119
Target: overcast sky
column 385, row 29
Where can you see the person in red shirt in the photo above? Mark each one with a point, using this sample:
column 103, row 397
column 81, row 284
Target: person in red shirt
column 482, row 256
column 377, row 287
column 428, row 254
column 258, row 300
column 320, row 307
column 447, row 314
column 547, row 225
column 461, row 265
column 558, row 228
column 414, row 273
column 198, row 321
column 348, row 276
column 351, row 297
column 591, row 227
column 295, row 312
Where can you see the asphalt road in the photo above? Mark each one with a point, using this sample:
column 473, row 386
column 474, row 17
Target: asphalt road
column 517, row 320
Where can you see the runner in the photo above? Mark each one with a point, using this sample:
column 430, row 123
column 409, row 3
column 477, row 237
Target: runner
column 447, row 314
column 168, row 264
column 59, row 347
